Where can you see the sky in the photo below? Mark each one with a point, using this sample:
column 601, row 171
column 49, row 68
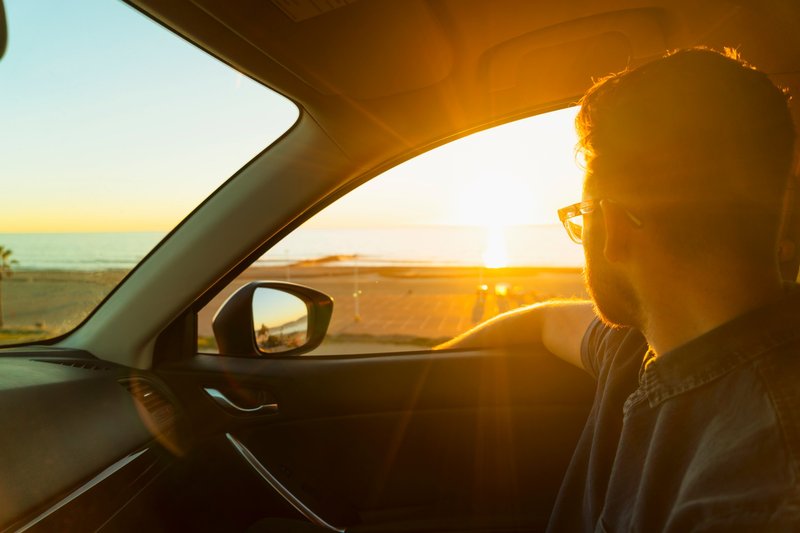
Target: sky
column 111, row 123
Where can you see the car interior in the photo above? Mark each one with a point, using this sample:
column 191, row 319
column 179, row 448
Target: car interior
column 123, row 424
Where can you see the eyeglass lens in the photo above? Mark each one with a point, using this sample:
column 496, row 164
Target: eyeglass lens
column 575, row 228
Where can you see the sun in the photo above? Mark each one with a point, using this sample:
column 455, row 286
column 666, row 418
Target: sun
column 516, row 174
column 496, row 253
column 492, row 202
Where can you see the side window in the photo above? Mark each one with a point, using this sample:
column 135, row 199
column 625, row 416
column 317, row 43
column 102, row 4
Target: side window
column 439, row 243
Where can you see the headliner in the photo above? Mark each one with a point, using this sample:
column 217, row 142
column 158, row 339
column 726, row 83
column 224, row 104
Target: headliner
column 387, row 77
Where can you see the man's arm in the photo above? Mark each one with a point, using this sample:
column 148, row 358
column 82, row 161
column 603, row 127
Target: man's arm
column 558, row 325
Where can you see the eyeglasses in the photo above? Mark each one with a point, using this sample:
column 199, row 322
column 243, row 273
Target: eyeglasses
column 572, row 218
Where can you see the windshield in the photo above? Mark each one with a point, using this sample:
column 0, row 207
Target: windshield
column 114, row 129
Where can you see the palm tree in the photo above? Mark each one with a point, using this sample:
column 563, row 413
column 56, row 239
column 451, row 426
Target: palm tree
column 6, row 270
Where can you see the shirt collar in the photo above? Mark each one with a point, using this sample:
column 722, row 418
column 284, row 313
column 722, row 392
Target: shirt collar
column 722, row 349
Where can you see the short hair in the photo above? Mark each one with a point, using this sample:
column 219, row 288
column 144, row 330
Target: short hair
column 700, row 139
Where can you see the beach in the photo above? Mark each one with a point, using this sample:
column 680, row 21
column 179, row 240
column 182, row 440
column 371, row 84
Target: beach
column 45, row 304
column 376, row 308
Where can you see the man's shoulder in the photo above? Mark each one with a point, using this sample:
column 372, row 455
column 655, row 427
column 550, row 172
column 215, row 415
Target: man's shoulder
column 607, row 347
column 778, row 368
column 746, row 464
column 779, row 371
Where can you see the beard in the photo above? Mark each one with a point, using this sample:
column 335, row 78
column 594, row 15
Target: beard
column 614, row 299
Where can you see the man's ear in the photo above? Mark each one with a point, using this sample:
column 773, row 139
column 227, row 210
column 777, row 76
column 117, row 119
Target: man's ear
column 618, row 231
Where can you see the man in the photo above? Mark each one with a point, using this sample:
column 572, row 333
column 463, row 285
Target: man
column 692, row 335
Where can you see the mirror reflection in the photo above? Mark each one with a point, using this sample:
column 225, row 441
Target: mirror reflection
column 280, row 320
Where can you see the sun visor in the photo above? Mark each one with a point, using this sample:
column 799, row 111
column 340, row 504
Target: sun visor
column 359, row 49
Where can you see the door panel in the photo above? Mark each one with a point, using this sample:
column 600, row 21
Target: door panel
column 480, row 435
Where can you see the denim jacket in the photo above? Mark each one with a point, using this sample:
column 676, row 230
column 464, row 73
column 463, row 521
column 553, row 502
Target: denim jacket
column 703, row 438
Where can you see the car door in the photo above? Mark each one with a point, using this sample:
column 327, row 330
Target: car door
column 428, row 439
column 376, row 428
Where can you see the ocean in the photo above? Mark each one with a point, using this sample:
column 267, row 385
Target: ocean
column 423, row 245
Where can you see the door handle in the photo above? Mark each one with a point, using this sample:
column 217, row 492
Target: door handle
column 231, row 406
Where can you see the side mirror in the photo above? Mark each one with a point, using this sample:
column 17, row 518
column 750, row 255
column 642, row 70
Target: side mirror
column 266, row 318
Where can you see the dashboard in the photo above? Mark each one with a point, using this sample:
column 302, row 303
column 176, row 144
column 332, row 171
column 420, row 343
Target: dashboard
column 82, row 437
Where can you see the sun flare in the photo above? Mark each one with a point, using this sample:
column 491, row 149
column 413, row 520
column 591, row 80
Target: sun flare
column 496, row 253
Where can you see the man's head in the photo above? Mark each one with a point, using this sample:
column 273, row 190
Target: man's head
column 698, row 145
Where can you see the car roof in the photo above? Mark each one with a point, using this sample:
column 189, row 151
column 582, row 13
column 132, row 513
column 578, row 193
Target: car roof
column 379, row 81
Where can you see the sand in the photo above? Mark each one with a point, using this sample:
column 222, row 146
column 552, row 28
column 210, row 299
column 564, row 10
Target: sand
column 41, row 304
column 375, row 308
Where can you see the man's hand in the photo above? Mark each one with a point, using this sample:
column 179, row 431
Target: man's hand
column 558, row 325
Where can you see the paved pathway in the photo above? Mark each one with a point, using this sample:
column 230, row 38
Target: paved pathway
column 405, row 306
